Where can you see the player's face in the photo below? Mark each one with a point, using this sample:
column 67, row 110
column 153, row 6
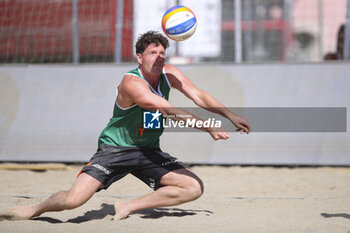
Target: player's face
column 152, row 60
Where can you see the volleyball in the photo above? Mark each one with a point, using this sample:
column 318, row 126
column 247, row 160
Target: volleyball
column 179, row 23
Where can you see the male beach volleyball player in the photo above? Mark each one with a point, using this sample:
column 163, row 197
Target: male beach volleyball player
column 123, row 149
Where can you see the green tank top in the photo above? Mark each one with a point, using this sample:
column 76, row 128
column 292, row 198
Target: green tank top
column 125, row 128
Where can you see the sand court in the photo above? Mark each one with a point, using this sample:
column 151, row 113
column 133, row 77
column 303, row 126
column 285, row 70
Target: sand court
column 236, row 199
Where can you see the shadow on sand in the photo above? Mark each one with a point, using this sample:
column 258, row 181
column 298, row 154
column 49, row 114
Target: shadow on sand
column 340, row 215
column 169, row 212
column 108, row 210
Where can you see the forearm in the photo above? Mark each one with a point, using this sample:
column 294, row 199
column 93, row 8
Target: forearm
column 208, row 102
column 205, row 100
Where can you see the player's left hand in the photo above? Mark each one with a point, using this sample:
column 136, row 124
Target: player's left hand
column 241, row 123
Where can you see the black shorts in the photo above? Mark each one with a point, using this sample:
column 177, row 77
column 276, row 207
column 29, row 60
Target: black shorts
column 111, row 163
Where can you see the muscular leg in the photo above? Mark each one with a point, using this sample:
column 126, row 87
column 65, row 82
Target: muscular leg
column 82, row 190
column 180, row 186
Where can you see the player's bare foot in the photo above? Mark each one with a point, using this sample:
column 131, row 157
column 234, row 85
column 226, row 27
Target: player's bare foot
column 121, row 211
column 21, row 213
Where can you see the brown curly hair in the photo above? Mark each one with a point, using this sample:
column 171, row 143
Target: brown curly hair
column 150, row 37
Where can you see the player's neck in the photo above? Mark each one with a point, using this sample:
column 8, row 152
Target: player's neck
column 152, row 79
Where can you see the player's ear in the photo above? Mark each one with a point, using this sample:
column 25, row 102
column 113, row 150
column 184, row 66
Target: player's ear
column 139, row 58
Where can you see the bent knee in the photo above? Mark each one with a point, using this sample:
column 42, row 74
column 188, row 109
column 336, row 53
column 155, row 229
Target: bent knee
column 194, row 189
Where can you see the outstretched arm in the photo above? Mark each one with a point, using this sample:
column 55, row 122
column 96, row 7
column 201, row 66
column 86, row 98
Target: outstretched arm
column 134, row 90
column 203, row 99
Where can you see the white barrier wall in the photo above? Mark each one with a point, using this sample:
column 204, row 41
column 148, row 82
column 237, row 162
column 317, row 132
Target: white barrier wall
column 56, row 112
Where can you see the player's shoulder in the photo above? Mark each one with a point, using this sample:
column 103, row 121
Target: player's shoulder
column 172, row 72
column 175, row 76
column 169, row 68
column 132, row 75
column 130, row 81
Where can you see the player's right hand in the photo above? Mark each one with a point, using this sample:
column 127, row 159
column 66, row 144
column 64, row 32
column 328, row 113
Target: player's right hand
column 218, row 134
